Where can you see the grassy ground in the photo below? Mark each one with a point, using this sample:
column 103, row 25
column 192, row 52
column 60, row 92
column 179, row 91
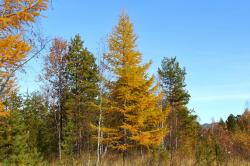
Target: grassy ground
column 145, row 160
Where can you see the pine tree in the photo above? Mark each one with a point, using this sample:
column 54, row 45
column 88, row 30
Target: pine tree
column 36, row 117
column 82, row 83
column 134, row 116
column 13, row 104
column 24, row 152
column 182, row 123
column 231, row 123
column 23, row 131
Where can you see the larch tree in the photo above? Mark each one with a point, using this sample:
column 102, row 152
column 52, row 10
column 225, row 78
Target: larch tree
column 81, row 99
column 134, row 115
column 55, row 84
column 15, row 17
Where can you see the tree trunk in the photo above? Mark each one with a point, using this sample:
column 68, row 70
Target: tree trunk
column 59, row 139
column 99, row 131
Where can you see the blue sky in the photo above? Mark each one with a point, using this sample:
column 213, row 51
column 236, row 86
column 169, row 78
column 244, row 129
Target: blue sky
column 211, row 38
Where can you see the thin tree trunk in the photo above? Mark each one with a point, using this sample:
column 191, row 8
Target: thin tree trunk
column 99, row 131
column 80, row 142
column 176, row 128
column 142, row 157
column 172, row 134
column 60, row 121
column 101, row 145
column 170, row 144
column 59, row 139
column 59, row 135
column 123, row 158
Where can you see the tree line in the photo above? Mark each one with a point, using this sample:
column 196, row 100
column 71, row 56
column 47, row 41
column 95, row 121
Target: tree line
column 105, row 106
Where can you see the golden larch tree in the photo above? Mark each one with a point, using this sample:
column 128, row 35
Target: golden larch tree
column 135, row 114
column 15, row 17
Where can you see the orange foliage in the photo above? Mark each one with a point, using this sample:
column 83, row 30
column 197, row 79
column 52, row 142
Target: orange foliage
column 16, row 15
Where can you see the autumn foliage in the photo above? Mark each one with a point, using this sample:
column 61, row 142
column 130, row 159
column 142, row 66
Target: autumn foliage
column 15, row 17
column 135, row 116
column 103, row 111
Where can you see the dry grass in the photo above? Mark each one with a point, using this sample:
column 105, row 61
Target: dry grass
column 145, row 160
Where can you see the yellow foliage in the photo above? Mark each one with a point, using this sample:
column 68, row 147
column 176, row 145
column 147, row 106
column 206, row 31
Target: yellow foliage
column 135, row 114
column 150, row 138
column 3, row 113
column 12, row 50
column 15, row 14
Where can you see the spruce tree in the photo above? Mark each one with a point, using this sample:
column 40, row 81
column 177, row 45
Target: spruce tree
column 82, row 83
column 23, row 131
column 12, row 104
column 37, row 119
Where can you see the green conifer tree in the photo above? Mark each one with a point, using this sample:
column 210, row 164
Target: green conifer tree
column 81, row 99
column 22, row 132
column 231, row 123
column 183, row 125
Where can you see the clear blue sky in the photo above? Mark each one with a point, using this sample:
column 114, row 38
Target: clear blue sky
column 211, row 38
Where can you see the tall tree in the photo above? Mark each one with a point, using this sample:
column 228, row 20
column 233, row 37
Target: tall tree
column 55, row 84
column 134, row 116
column 181, row 122
column 82, row 81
